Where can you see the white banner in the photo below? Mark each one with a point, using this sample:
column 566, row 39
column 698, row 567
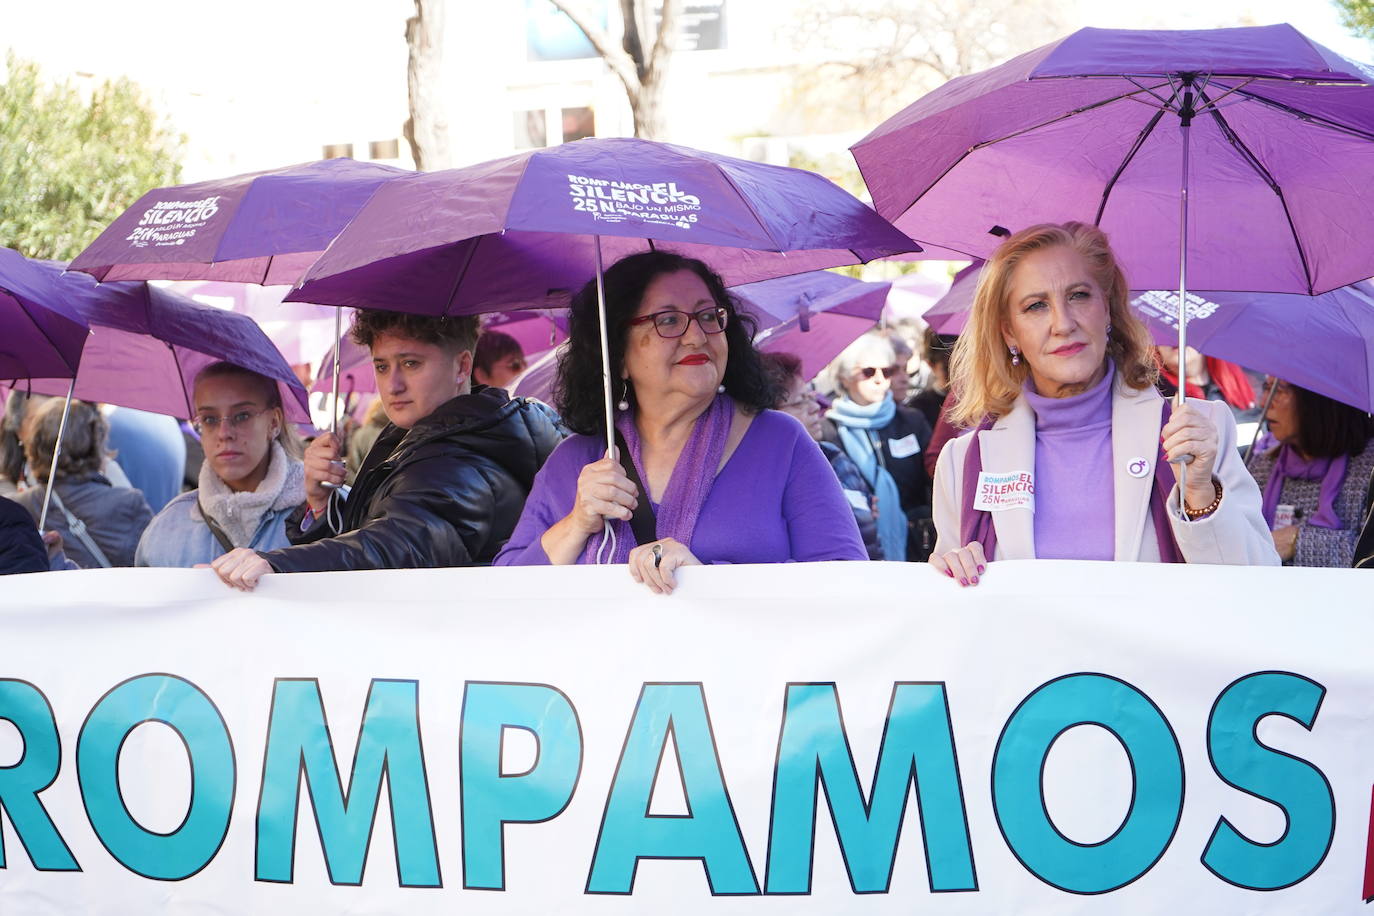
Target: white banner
column 1066, row 737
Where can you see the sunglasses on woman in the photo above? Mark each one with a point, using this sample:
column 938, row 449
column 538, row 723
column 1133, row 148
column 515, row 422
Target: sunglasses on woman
column 867, row 372
column 671, row 323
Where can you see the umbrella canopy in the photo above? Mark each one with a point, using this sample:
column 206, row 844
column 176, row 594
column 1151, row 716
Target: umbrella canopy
column 147, row 345
column 41, row 334
column 950, row 312
column 1280, row 179
column 521, row 232
column 813, row 315
column 1324, row 344
column 263, row 227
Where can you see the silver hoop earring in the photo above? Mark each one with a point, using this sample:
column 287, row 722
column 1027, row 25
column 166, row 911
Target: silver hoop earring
column 1015, row 355
column 1109, row 329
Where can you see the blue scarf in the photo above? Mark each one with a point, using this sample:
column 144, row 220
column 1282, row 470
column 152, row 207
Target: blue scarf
column 854, row 421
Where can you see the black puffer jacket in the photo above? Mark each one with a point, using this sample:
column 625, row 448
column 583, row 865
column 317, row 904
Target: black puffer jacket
column 447, row 492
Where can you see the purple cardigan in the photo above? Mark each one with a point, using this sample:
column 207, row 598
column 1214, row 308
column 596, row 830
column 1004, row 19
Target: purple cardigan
column 775, row 500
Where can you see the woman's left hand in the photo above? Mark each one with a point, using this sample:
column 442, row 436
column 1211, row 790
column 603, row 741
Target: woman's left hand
column 669, row 554
column 1190, row 431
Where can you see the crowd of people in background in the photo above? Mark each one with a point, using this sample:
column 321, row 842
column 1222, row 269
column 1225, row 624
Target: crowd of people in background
column 722, row 454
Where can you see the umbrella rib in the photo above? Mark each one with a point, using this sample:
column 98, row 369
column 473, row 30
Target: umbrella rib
column 1135, row 148
column 181, row 376
column 1253, row 161
column 1304, row 116
column 462, row 273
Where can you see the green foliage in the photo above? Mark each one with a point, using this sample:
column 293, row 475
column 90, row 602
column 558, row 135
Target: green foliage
column 69, row 165
column 1358, row 17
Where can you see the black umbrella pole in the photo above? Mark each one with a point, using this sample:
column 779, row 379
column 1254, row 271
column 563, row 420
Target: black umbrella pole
column 56, row 453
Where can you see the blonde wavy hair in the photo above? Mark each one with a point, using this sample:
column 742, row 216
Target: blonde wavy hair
column 980, row 365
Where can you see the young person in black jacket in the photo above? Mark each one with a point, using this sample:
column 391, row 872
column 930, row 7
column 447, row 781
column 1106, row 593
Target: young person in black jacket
column 443, row 484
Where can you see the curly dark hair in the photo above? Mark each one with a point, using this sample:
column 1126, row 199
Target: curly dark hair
column 577, row 391
column 454, row 333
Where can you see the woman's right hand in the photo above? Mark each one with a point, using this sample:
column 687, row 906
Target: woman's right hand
column 965, row 564
column 603, row 491
column 323, row 471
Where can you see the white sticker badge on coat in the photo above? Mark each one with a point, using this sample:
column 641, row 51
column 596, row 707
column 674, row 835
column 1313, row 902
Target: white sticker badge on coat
column 1008, row 490
column 904, row 447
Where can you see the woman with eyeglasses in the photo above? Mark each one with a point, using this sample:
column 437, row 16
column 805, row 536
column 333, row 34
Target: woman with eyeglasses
column 714, row 475
column 1316, row 480
column 886, row 441
column 251, row 480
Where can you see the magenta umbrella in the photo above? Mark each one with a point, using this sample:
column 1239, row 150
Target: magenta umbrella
column 1235, row 159
column 949, row 314
column 528, row 230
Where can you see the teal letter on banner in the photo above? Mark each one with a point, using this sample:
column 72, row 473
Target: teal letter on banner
column 28, row 710
column 184, row 707
column 1157, row 765
column 917, row 746
column 709, row 833
column 298, row 741
column 490, row 800
column 1295, row 785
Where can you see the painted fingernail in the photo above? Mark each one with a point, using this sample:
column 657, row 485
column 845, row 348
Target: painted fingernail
column 950, row 573
column 963, row 581
column 974, row 580
column 981, row 569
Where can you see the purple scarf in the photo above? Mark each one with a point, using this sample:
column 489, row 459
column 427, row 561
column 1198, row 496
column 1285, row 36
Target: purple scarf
column 1290, row 465
column 688, row 487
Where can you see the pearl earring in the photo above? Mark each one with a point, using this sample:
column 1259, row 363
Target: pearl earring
column 1015, row 355
column 624, row 403
column 720, row 389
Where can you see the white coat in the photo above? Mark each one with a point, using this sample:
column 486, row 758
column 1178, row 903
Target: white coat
column 1235, row 534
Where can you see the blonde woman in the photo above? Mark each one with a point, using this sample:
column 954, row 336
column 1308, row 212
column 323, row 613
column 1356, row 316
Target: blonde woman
column 1070, row 455
column 251, row 480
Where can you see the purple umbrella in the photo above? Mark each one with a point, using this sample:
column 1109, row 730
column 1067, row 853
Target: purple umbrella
column 1323, row 343
column 148, row 344
column 526, row 231
column 43, row 336
column 949, row 314
column 263, row 227
column 813, row 315
column 42, row 333
column 1280, row 176
column 1274, row 196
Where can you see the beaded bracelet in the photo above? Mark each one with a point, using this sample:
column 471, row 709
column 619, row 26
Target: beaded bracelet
column 1195, row 514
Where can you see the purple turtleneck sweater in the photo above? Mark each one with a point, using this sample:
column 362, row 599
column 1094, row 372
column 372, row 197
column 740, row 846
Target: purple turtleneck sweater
column 1075, row 517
